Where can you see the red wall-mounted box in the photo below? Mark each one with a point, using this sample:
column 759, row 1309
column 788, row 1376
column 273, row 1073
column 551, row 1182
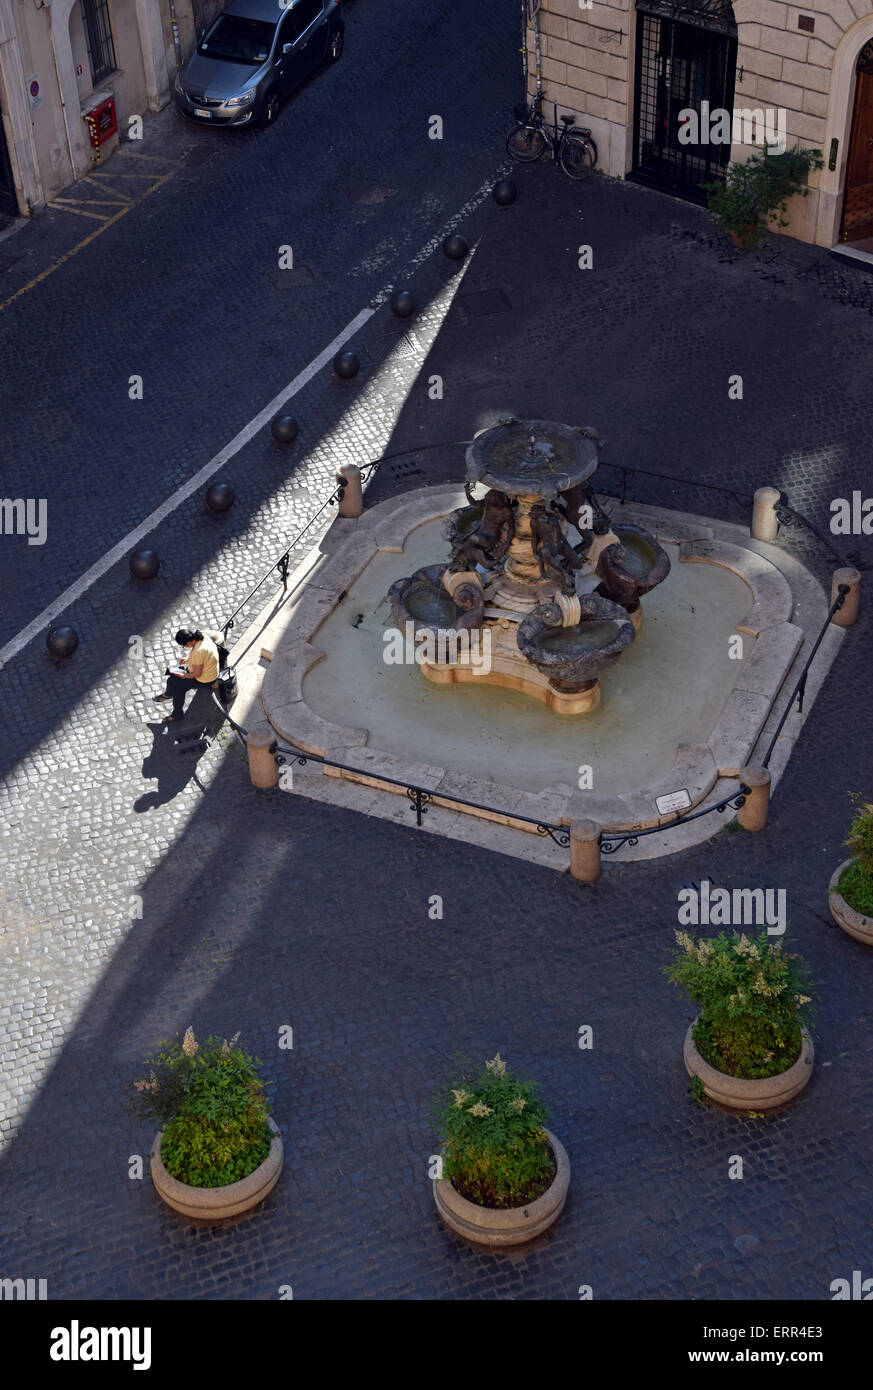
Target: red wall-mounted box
column 101, row 122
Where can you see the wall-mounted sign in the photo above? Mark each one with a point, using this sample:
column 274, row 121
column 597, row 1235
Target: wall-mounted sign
column 34, row 92
column 80, row 70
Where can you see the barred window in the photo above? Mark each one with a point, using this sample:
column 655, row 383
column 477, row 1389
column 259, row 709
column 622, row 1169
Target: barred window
column 98, row 37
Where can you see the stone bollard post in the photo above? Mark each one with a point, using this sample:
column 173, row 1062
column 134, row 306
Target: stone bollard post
column 352, row 501
column 263, row 768
column 848, row 614
column 765, row 523
column 752, row 815
column 585, row 851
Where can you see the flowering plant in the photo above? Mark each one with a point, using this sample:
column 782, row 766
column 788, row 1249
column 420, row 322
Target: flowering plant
column 751, row 999
column 495, row 1151
column 208, row 1101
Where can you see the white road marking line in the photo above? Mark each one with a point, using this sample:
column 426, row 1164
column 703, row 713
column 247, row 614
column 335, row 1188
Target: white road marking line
column 247, row 433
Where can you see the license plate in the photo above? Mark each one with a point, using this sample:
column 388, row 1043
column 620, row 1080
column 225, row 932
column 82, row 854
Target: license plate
column 198, row 111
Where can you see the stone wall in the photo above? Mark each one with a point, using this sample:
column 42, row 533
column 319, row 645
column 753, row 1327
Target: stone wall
column 588, row 69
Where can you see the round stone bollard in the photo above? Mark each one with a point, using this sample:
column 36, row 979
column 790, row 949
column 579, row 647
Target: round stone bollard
column 752, row 815
column 455, row 247
column 585, row 851
column 351, row 503
column 144, row 564
column 284, row 429
column 504, row 193
column 346, row 365
column 765, row 522
column 848, row 614
column 62, row 642
column 220, row 497
column 263, row 768
column 402, row 304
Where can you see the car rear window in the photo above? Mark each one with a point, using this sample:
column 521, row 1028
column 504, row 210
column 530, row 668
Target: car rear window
column 238, row 40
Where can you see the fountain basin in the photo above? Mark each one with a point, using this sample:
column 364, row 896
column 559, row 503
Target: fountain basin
column 421, row 599
column 572, row 657
column 632, row 568
column 533, row 458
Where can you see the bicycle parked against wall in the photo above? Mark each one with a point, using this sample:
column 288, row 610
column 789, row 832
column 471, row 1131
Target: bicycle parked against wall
column 532, row 135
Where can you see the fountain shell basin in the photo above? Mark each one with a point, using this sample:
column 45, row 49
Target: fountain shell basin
column 572, row 657
column 533, row 458
column 632, row 568
column 422, row 600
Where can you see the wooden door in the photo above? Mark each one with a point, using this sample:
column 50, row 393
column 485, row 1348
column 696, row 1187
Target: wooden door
column 858, row 202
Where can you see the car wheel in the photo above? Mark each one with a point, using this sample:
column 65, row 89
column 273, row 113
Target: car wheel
column 271, row 107
column 335, row 47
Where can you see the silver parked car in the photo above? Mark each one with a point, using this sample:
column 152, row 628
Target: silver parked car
column 253, row 55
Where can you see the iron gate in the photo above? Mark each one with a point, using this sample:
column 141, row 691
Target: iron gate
column 686, row 56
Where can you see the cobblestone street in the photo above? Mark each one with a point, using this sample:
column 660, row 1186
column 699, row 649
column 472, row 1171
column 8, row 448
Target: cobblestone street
column 261, row 909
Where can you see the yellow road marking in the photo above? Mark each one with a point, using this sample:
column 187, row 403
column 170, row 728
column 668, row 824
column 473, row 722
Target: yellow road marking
column 80, row 212
column 104, row 187
column 68, row 255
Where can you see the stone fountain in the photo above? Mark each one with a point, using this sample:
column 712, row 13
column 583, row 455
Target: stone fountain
column 552, row 615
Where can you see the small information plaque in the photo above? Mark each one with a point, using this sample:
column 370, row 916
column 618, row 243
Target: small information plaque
column 673, row 801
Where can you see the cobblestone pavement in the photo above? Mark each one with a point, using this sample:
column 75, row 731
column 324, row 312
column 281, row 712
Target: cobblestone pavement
column 261, row 910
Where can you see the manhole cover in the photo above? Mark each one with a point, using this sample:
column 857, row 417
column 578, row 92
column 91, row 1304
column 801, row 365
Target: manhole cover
column 7, row 261
column 370, row 194
column 293, row 279
column 485, row 302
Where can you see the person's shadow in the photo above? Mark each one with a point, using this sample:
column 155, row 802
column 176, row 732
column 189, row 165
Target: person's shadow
column 177, row 749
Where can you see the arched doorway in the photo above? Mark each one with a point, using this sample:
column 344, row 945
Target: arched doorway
column 857, row 223
column 686, row 55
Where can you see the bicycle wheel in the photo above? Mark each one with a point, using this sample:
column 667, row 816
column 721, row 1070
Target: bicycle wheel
column 578, row 156
column 525, row 143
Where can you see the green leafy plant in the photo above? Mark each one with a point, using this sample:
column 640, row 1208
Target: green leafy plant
column 755, row 195
column 208, row 1100
column 495, row 1152
column 752, row 1005
column 856, row 880
column 695, row 1086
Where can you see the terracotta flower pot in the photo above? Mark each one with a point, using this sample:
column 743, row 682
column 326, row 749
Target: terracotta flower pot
column 215, row 1203
column 513, row 1225
column 745, row 237
column 763, row 1093
column 851, row 921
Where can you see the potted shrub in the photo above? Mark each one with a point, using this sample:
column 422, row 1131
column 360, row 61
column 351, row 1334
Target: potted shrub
column 850, row 891
column 217, row 1151
column 505, row 1176
column 755, row 195
column 747, row 1048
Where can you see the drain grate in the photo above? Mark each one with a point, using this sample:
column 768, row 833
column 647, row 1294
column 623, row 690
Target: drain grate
column 485, row 302
column 407, row 345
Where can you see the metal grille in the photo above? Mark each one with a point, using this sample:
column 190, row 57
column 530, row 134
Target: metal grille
column 679, row 67
column 865, row 58
column 98, row 37
column 708, row 14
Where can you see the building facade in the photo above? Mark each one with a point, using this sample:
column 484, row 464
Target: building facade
column 69, row 71
column 632, row 70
